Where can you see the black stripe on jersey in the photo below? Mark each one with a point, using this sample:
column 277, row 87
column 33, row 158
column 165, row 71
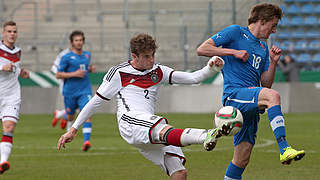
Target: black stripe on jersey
column 123, row 101
column 102, row 97
column 170, row 77
column 135, row 121
column 114, row 70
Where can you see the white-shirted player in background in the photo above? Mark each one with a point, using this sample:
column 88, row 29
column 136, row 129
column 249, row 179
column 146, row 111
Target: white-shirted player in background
column 136, row 84
column 59, row 114
column 10, row 96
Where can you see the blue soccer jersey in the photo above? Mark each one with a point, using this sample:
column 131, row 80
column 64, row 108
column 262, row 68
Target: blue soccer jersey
column 71, row 62
column 237, row 73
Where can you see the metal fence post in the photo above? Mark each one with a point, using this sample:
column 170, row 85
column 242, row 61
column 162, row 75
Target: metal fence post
column 126, row 20
column 100, row 19
column 185, row 47
column 73, row 10
column 48, row 16
column 152, row 18
column 234, row 12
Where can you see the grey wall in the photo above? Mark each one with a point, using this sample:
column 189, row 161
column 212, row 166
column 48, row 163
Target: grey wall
column 299, row 97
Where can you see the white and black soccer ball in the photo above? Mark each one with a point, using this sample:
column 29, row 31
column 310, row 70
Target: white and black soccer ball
column 229, row 116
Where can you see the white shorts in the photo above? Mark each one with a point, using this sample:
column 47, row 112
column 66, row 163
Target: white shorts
column 136, row 127
column 10, row 108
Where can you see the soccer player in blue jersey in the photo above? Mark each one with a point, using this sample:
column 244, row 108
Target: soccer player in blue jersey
column 74, row 69
column 248, row 76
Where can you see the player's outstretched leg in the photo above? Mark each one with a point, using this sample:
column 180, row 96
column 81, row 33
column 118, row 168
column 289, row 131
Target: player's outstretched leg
column 4, row 167
column 290, row 154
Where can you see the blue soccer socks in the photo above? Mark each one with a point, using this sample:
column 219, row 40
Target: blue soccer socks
column 86, row 130
column 233, row 172
column 277, row 124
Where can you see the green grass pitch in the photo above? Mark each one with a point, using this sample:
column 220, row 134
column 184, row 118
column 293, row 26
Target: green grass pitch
column 34, row 155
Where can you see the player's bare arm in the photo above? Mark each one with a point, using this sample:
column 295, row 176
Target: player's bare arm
column 66, row 138
column 65, row 75
column 209, row 49
column 267, row 77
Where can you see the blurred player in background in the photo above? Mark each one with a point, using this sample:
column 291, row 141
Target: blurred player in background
column 136, row 84
column 59, row 114
column 74, row 69
column 250, row 65
column 10, row 95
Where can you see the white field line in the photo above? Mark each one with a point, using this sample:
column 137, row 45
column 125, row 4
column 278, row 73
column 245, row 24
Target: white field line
column 131, row 150
column 115, row 150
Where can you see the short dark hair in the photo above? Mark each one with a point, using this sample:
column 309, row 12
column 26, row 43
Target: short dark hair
column 264, row 11
column 76, row 33
column 142, row 43
column 9, row 23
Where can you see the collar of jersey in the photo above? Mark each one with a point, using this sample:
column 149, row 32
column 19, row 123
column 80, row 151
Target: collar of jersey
column 251, row 35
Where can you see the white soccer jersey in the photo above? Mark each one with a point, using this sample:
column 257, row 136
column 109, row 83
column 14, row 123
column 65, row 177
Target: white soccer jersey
column 136, row 90
column 9, row 83
column 54, row 67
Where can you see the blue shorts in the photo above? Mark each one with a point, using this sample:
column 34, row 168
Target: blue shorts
column 72, row 103
column 246, row 100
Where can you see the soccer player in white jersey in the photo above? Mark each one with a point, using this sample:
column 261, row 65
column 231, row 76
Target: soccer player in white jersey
column 59, row 114
column 10, row 96
column 136, row 84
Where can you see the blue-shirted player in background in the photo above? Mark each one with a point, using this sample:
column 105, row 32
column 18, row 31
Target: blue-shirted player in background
column 74, row 69
column 248, row 76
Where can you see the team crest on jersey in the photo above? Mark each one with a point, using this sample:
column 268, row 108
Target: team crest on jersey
column 87, row 56
column 154, row 77
column 143, row 81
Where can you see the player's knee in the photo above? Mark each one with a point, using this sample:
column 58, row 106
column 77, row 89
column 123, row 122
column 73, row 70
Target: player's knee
column 181, row 174
column 273, row 97
column 9, row 126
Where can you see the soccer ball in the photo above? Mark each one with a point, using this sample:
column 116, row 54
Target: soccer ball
column 229, row 116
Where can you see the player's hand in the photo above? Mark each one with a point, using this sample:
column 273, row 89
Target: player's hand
column 92, row 68
column 79, row 73
column 66, row 138
column 216, row 63
column 24, row 73
column 9, row 67
column 275, row 54
column 242, row 54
